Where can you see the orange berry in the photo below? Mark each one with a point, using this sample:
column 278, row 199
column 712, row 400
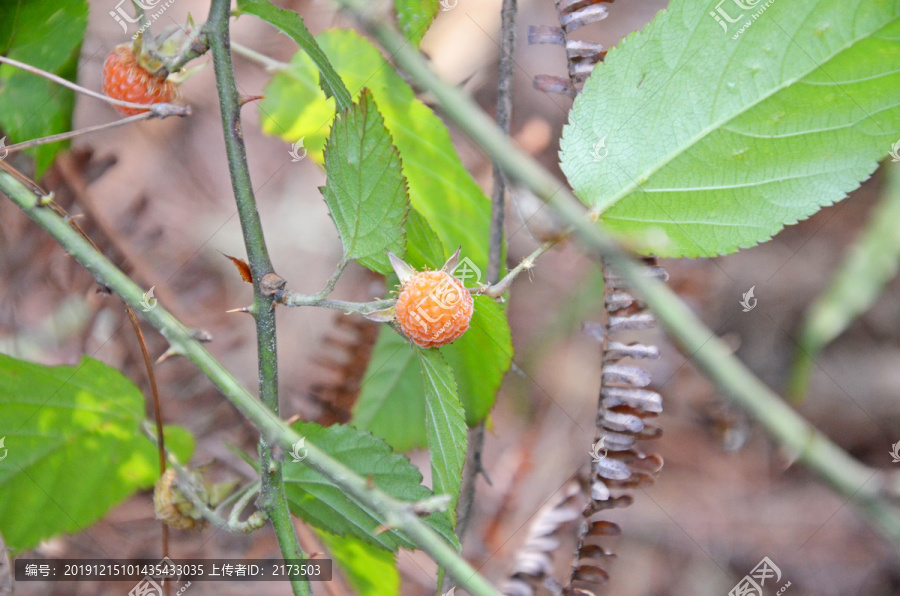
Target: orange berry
column 126, row 80
column 434, row 308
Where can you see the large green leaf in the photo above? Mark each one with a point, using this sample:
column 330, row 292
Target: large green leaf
column 693, row 143
column 391, row 401
column 290, row 23
column 366, row 191
column 446, row 424
column 414, row 17
column 424, row 250
column 480, row 358
column 47, row 35
column 369, row 571
column 870, row 263
column 325, row 505
column 440, row 188
column 73, row 447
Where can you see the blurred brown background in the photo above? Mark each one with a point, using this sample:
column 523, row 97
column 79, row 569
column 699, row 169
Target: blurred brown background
column 157, row 199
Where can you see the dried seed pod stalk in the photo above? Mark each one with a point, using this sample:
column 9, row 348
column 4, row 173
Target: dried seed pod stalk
column 624, row 412
column 581, row 56
column 534, row 563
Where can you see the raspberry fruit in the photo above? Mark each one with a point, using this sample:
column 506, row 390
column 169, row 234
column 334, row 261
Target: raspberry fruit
column 125, row 79
column 434, row 308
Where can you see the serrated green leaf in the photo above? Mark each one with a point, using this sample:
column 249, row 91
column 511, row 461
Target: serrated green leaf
column 365, row 190
column 391, row 401
column 693, row 143
column 440, row 188
column 480, row 358
column 414, row 17
column 369, row 571
column 73, row 447
column 47, row 35
column 869, row 264
column 445, row 421
column 424, row 250
column 291, row 24
column 321, row 503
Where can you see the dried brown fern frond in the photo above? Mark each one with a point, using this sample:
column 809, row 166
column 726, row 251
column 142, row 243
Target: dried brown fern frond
column 581, row 56
column 534, row 563
column 626, row 407
column 624, row 413
column 346, row 352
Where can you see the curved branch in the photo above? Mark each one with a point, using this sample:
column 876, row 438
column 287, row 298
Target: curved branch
column 272, row 499
column 870, row 487
column 394, row 513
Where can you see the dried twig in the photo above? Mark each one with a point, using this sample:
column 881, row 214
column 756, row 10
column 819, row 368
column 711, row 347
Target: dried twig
column 474, row 466
column 81, row 131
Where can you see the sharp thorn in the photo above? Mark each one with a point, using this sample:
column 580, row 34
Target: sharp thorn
column 172, row 351
column 245, row 99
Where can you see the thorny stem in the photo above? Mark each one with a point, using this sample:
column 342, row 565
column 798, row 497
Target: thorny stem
column 394, row 513
column 289, row 298
column 272, row 499
column 505, row 70
column 329, row 285
column 197, row 45
column 232, row 524
column 248, row 493
column 157, row 109
column 870, row 488
column 504, row 120
column 82, row 131
column 271, row 64
column 498, row 289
